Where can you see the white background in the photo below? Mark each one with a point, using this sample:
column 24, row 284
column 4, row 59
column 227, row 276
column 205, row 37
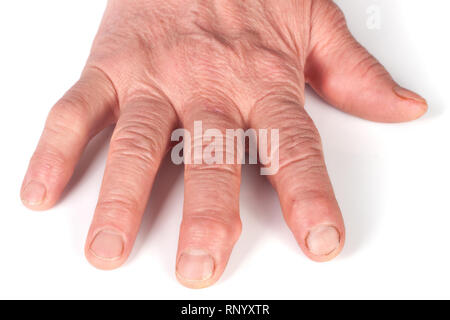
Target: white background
column 392, row 181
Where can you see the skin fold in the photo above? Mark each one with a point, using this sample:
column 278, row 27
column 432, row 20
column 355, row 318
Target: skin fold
column 157, row 65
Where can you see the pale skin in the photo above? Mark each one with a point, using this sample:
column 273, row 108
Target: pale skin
column 157, row 65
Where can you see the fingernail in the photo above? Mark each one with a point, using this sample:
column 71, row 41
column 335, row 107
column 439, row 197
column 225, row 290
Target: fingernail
column 107, row 245
column 34, row 193
column 195, row 265
column 409, row 95
column 323, row 240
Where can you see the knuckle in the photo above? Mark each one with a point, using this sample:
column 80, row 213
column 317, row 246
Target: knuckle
column 301, row 148
column 136, row 139
column 134, row 149
column 212, row 226
column 275, row 109
column 316, row 202
column 299, row 140
column 119, row 210
column 309, row 162
column 337, row 16
column 215, row 150
column 297, row 131
column 327, row 20
column 74, row 99
column 67, row 117
column 328, row 11
column 212, row 189
column 49, row 160
column 225, row 173
column 367, row 66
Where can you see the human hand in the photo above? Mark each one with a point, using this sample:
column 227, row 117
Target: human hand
column 156, row 65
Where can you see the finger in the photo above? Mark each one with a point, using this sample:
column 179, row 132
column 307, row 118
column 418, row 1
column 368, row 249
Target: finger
column 302, row 183
column 211, row 223
column 137, row 147
column 84, row 111
column 350, row 78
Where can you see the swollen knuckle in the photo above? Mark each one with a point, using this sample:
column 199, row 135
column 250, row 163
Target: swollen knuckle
column 67, row 117
column 49, row 160
column 212, row 227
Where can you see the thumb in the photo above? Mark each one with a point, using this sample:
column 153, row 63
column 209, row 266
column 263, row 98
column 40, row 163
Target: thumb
column 346, row 75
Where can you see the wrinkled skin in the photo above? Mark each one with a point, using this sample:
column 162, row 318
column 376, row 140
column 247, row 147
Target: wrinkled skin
column 160, row 64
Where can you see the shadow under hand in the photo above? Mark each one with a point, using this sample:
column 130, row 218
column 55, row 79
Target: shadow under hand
column 357, row 191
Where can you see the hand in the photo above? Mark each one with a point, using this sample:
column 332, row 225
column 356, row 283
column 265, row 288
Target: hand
column 159, row 64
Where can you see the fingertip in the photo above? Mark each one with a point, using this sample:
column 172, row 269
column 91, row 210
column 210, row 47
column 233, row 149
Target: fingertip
column 33, row 194
column 323, row 243
column 36, row 196
column 318, row 227
column 409, row 95
column 323, row 240
column 205, row 247
column 196, row 269
column 106, row 249
column 195, row 284
column 413, row 105
column 102, row 264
